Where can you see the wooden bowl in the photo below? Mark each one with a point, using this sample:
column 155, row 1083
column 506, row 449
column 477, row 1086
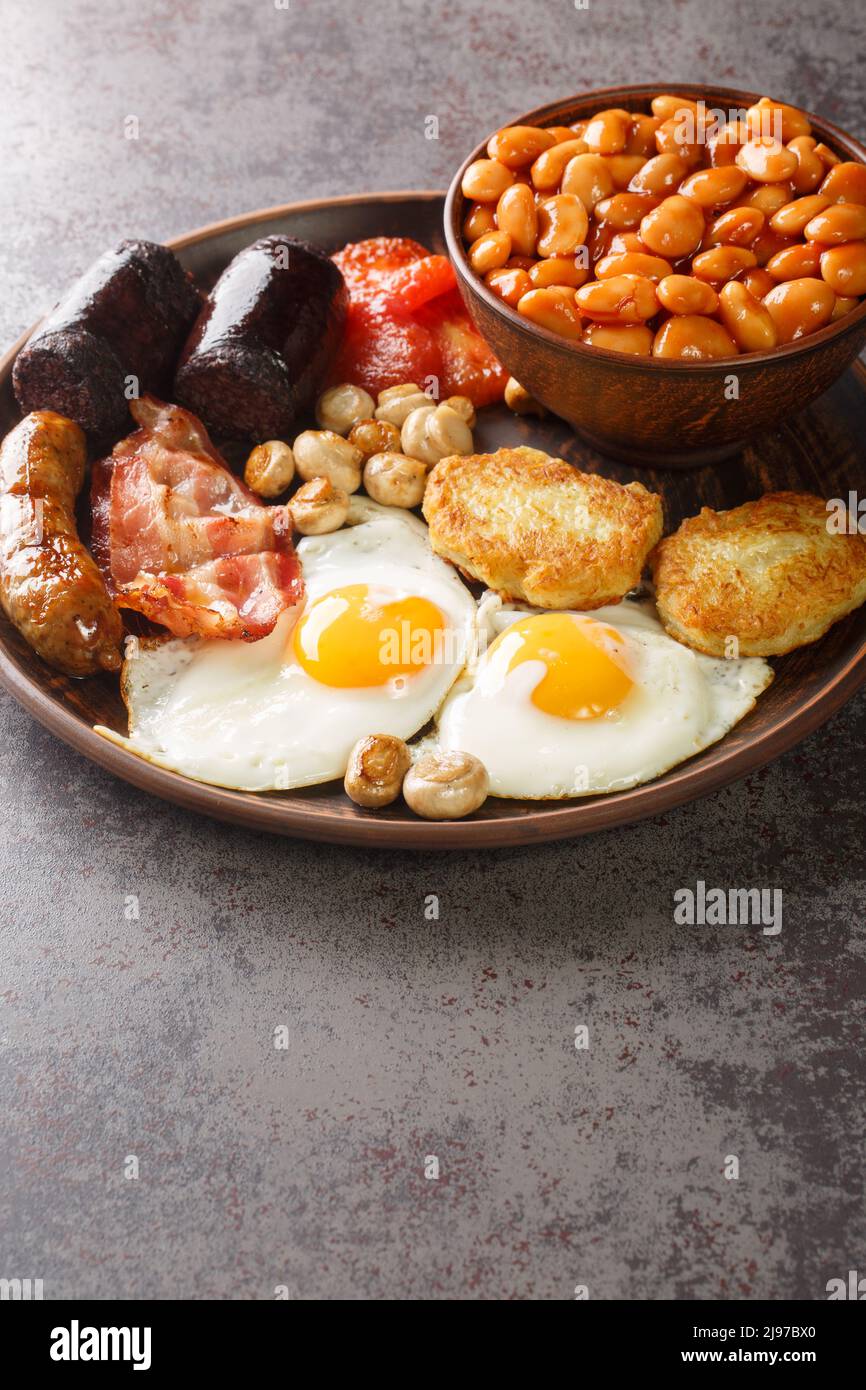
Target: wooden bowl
column 645, row 410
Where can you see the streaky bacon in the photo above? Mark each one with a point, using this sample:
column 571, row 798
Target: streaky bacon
column 180, row 539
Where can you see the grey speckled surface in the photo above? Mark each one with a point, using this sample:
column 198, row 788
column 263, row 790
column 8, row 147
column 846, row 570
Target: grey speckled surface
column 154, row 1035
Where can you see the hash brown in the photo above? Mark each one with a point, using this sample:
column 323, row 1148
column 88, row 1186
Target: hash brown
column 534, row 529
column 769, row 573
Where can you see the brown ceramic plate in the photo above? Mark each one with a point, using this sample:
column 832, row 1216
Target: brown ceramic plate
column 818, row 452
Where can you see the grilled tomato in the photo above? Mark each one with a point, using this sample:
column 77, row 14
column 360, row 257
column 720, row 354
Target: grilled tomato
column 407, row 322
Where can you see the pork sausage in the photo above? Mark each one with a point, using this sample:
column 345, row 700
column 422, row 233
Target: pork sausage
column 127, row 317
column 263, row 341
column 50, row 587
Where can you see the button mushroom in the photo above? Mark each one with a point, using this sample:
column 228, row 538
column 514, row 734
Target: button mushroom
column 374, row 437
column 269, row 468
column 464, row 408
column 377, row 767
column 396, row 402
column 395, row 480
column 318, row 507
column 446, row 785
column 323, row 454
column 518, row 399
column 434, row 432
column 341, row 407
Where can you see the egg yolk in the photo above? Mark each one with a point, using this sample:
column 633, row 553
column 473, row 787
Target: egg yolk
column 358, row 636
column 585, row 671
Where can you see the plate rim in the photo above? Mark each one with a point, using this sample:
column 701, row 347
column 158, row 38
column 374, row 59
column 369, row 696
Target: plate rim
column 302, row 818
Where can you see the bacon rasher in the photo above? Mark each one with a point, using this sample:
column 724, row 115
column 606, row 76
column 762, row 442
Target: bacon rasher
column 180, row 539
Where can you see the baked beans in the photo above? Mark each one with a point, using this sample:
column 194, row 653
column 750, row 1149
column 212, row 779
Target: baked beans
column 791, row 218
column 486, row 180
column 795, row 262
column 722, row 263
column 480, row 218
column 766, row 160
column 767, row 244
column 518, row 145
column 683, row 294
column 674, row 228
column 547, row 171
column 668, row 108
column 749, row 322
column 625, row 241
column 632, row 263
column 588, row 177
column 660, row 175
column 844, row 268
column 620, row 337
column 677, row 136
column 642, row 136
column 664, row 232
column 621, row 299
column 844, row 304
column 517, row 215
column 736, row 227
column 624, row 211
column 489, row 252
column 799, row 307
column 826, row 155
column 841, row 222
column 768, row 116
column 694, row 338
column 608, row 132
column 712, row 188
column 623, row 168
column 558, row 270
column 768, row 197
column 723, row 145
column 758, row 282
column 562, row 225
column 510, row 283
column 845, row 183
column 552, row 307
column 810, row 166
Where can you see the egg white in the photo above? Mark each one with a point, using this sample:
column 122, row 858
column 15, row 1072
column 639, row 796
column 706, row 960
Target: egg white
column 248, row 716
column 681, row 702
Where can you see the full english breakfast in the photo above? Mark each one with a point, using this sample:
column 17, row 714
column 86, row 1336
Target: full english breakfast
column 367, row 596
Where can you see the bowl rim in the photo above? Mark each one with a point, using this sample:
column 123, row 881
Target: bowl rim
column 630, row 362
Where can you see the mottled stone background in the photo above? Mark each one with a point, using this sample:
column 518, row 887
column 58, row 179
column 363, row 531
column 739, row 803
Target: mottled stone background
column 408, row 1038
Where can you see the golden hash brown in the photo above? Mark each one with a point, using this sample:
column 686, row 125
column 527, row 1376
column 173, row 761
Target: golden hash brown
column 768, row 573
column 533, row 528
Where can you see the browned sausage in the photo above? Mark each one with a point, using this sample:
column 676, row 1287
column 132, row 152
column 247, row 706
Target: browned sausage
column 50, row 587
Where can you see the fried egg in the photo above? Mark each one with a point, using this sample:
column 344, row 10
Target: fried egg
column 564, row 704
column 384, row 631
